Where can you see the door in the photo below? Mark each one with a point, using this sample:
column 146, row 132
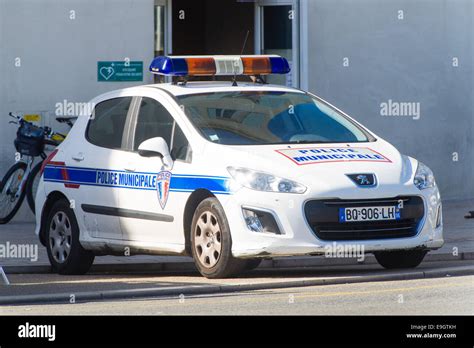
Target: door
column 152, row 212
column 94, row 165
column 277, row 32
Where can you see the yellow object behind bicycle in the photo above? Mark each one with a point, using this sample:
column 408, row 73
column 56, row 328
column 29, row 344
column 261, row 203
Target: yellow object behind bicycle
column 58, row 137
column 32, row 117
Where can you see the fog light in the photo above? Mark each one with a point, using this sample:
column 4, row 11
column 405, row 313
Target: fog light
column 260, row 221
column 253, row 223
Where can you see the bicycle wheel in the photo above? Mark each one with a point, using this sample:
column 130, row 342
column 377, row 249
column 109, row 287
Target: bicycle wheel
column 10, row 185
column 32, row 186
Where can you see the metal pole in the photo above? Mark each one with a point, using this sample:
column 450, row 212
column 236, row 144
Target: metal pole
column 4, row 276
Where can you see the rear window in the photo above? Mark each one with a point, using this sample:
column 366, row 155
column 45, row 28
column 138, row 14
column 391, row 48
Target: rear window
column 106, row 128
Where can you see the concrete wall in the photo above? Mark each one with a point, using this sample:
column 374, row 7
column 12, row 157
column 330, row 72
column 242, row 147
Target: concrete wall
column 403, row 60
column 59, row 55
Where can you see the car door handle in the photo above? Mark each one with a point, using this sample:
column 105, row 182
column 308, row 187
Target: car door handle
column 78, row 157
column 128, row 169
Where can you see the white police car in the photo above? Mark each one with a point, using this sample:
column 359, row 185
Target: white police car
column 230, row 173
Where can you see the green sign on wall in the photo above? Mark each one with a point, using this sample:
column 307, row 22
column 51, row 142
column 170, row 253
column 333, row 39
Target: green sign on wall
column 120, row 71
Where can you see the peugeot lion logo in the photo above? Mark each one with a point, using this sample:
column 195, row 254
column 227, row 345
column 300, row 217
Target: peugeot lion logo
column 365, row 180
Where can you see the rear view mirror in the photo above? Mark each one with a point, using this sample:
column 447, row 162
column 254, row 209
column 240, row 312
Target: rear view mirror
column 156, row 147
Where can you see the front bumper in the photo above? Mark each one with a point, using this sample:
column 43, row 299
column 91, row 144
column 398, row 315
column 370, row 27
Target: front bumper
column 298, row 238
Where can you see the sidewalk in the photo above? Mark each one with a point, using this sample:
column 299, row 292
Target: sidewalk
column 41, row 288
column 459, row 233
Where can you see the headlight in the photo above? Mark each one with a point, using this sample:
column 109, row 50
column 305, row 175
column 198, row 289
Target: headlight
column 264, row 182
column 424, row 177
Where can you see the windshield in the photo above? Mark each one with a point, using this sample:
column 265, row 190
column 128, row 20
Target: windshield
column 257, row 118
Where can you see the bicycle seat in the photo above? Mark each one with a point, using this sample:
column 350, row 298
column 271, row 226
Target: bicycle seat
column 66, row 119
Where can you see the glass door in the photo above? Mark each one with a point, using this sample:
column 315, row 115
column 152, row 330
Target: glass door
column 277, row 32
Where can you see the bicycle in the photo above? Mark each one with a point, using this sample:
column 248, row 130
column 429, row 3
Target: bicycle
column 22, row 178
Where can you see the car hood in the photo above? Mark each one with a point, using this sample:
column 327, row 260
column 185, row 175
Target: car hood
column 324, row 166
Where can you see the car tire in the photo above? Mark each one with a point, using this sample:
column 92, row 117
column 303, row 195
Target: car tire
column 65, row 252
column 211, row 242
column 400, row 259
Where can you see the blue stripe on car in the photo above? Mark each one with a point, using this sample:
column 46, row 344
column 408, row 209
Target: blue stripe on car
column 178, row 183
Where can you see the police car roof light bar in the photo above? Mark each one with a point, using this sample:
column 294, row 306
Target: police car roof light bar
column 219, row 65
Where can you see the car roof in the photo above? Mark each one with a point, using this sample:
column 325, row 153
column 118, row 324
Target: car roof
column 191, row 88
column 212, row 86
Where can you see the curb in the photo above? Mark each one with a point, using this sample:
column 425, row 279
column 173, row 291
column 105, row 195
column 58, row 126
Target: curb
column 214, row 289
column 186, row 267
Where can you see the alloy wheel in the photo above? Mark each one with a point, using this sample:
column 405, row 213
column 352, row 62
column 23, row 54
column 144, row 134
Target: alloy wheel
column 60, row 237
column 207, row 239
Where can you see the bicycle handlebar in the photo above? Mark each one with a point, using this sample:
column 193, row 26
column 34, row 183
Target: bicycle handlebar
column 47, row 131
column 14, row 116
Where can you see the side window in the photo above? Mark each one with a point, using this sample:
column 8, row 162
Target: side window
column 105, row 129
column 155, row 121
column 181, row 149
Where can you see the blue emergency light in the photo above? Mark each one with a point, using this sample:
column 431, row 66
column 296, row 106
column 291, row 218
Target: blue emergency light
column 219, row 65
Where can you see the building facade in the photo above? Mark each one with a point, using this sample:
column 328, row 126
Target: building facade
column 403, row 68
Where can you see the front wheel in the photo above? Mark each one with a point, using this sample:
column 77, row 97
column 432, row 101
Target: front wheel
column 11, row 192
column 212, row 243
column 400, row 259
column 32, row 186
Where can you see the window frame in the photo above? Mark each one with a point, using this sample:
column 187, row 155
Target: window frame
column 125, row 127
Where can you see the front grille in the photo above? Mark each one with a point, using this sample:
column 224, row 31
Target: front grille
column 323, row 217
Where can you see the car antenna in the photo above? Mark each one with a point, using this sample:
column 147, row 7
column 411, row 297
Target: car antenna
column 234, row 81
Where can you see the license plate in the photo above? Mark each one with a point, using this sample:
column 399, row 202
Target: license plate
column 369, row 214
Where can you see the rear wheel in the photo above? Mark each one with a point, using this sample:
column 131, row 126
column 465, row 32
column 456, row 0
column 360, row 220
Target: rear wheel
column 65, row 253
column 400, row 259
column 212, row 243
column 32, row 186
column 10, row 195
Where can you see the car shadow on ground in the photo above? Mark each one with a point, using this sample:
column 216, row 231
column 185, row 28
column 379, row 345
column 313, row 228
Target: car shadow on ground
column 178, row 282
column 31, row 284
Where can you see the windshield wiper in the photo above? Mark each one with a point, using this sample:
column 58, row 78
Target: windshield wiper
column 309, row 142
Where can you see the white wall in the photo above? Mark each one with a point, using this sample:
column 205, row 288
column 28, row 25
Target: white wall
column 405, row 60
column 59, row 55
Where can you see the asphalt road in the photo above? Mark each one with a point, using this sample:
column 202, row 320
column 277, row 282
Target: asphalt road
column 436, row 296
